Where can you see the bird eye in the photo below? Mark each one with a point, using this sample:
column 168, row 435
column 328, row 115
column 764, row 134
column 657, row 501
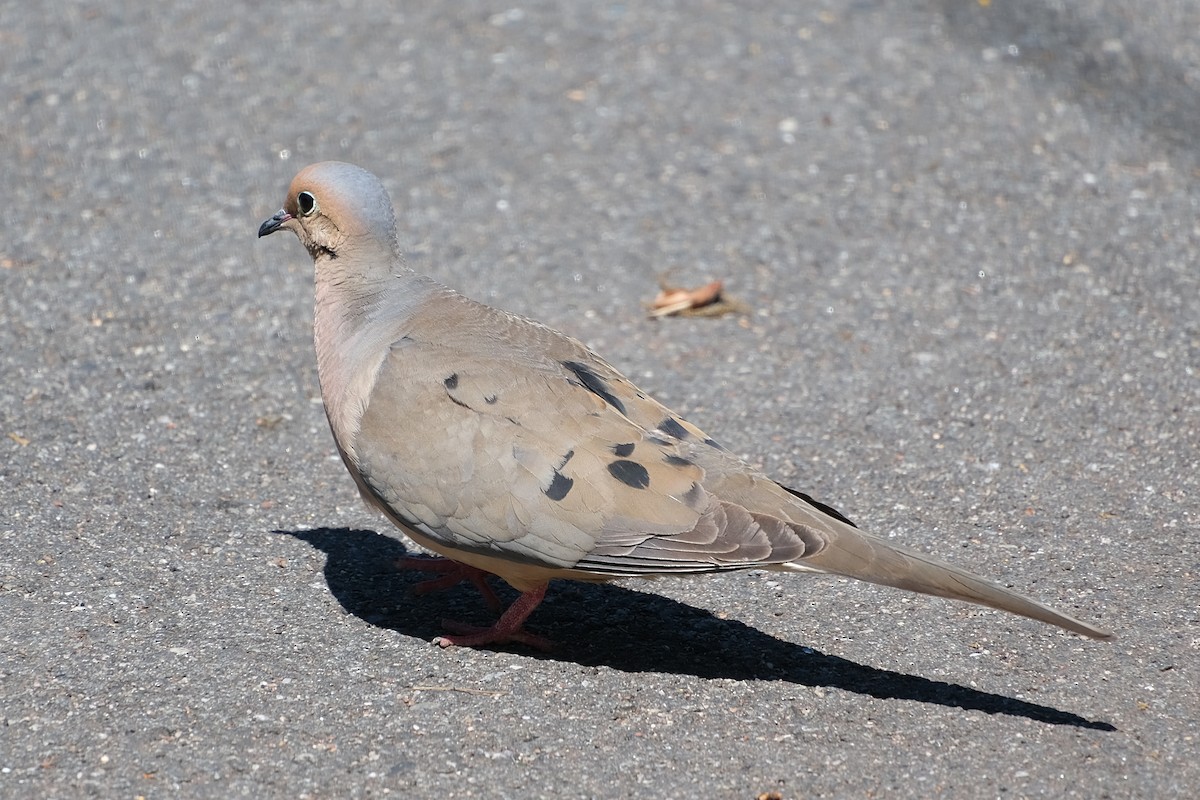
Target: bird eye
column 306, row 203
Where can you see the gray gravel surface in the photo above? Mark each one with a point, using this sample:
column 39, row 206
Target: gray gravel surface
column 968, row 235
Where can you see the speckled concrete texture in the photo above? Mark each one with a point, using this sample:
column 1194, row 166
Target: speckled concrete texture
column 968, row 237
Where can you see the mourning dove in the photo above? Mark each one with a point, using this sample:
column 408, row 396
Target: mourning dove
column 514, row 450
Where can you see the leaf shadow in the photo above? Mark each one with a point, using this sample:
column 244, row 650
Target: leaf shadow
column 610, row 625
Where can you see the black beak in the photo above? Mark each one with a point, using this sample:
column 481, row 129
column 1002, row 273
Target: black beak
column 274, row 223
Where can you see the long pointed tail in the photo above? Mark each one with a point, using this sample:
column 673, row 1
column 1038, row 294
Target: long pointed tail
column 852, row 553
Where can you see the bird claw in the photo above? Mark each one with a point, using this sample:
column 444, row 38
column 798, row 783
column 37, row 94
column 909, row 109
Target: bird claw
column 464, row 635
column 451, row 573
column 509, row 628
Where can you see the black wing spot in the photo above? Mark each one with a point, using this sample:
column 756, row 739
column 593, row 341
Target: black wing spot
column 671, row 427
column 819, row 506
column 560, row 486
column 623, row 450
column 630, row 473
column 452, row 381
column 403, row 341
column 716, row 444
column 594, row 383
column 567, row 456
column 678, row 461
column 490, row 399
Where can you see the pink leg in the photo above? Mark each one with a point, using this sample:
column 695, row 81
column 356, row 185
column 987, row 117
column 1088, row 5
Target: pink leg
column 509, row 628
column 452, row 573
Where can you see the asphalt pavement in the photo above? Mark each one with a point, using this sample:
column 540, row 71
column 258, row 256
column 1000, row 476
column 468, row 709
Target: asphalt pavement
column 967, row 237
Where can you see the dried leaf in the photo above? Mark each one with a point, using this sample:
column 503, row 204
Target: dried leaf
column 708, row 300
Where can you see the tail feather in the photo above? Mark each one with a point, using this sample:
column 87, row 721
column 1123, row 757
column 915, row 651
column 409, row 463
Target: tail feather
column 853, row 554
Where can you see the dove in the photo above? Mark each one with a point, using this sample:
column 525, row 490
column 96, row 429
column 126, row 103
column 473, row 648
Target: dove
column 511, row 449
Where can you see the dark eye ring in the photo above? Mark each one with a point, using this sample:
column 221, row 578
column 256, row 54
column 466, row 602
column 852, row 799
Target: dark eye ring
column 306, row 203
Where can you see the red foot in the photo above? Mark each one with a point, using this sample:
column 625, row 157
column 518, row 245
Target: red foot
column 452, row 573
column 509, row 628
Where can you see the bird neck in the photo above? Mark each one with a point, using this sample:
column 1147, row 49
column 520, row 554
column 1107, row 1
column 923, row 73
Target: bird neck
column 355, row 319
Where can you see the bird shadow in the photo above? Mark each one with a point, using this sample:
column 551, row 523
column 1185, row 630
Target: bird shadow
column 609, row 625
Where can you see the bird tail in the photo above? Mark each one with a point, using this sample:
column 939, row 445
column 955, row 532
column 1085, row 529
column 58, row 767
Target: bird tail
column 853, row 554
